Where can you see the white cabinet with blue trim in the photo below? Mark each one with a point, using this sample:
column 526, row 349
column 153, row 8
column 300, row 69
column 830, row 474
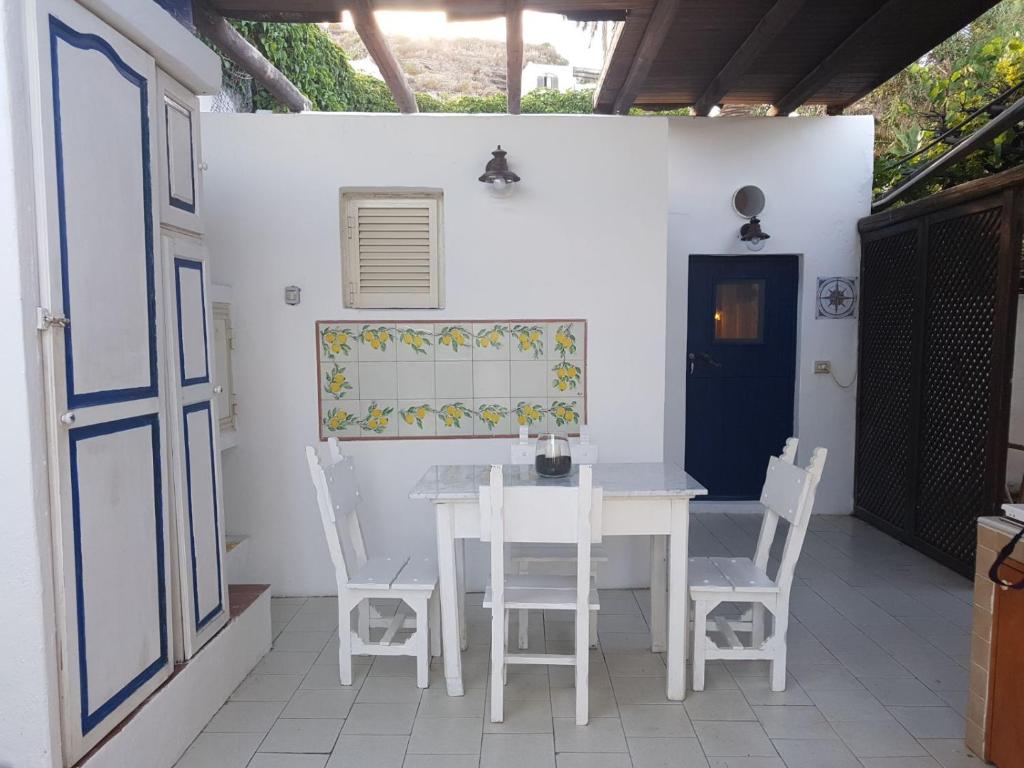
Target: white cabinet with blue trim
column 198, row 505
column 126, row 329
column 102, row 316
column 179, row 161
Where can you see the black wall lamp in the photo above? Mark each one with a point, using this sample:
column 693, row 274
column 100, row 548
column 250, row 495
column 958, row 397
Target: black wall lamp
column 497, row 176
column 748, row 202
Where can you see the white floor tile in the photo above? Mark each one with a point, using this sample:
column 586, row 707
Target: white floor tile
column 900, row 762
column 718, row 705
column 655, row 721
column 316, row 704
column 592, row 760
column 285, row 662
column 517, row 750
column 809, row 753
column 302, row 735
column 794, row 722
column 267, row 688
column 245, row 717
column 380, row 719
column 435, row 702
column 520, row 717
column 360, row 751
column 601, row 734
column 309, row 640
column 271, row 760
column 734, row 739
column 446, row 736
column 389, row 690
column 901, row 692
column 849, row 706
column 441, row 761
column 952, row 753
column 878, row 740
column 930, row 722
column 667, row 753
column 601, row 701
column 220, row 750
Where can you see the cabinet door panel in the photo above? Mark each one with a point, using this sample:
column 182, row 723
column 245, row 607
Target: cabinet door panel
column 202, row 580
column 180, row 176
column 107, row 425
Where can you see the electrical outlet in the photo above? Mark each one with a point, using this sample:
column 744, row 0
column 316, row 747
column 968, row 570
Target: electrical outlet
column 823, row 366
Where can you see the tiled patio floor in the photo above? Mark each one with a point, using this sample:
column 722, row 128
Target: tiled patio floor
column 878, row 677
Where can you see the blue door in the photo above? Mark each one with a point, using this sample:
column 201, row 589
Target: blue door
column 741, row 365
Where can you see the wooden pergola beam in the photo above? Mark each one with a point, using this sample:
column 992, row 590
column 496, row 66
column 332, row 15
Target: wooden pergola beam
column 379, row 50
column 658, row 26
column 762, row 35
column 514, row 55
column 217, row 30
column 830, row 66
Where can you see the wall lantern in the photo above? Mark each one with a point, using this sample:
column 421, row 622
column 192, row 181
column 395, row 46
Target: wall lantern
column 748, row 202
column 498, row 178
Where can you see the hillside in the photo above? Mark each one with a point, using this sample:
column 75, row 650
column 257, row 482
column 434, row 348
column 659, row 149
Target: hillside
column 460, row 67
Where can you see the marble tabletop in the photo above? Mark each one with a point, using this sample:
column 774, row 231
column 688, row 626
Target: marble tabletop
column 460, row 482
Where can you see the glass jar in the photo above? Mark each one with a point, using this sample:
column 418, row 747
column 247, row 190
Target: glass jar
column 553, row 456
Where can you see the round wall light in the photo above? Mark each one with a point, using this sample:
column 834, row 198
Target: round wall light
column 497, row 176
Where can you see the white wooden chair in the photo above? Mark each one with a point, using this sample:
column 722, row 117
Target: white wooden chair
column 362, row 579
column 536, row 514
column 547, row 558
column 788, row 493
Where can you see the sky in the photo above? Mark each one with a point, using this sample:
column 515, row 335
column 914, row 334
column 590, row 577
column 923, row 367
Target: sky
column 570, row 41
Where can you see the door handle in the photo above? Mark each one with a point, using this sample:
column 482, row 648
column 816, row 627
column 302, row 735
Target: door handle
column 702, row 357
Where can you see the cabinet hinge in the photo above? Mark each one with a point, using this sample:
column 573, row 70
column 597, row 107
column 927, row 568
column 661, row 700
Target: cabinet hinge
column 46, row 319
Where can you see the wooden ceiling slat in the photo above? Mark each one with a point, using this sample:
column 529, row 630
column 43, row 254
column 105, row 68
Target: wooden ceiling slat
column 781, row 52
column 514, row 55
column 767, row 29
column 654, row 35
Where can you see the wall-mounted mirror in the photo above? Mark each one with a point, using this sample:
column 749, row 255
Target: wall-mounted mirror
column 748, row 201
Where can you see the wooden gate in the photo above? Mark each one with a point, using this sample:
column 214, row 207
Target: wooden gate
column 938, row 310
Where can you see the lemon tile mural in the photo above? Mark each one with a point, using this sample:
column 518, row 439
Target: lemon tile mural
column 408, row 379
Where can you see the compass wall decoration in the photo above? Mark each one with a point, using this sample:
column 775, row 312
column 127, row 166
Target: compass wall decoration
column 836, row 298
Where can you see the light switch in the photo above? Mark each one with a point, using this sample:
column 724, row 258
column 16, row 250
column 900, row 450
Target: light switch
column 823, row 366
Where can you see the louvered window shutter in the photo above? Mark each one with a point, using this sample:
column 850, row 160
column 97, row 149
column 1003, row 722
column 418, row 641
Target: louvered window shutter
column 392, row 257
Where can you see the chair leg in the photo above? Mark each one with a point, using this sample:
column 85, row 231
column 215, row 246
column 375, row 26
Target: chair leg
column 434, row 606
column 497, row 665
column 460, row 583
column 363, row 619
column 757, row 625
column 344, row 637
column 593, row 629
column 700, row 642
column 504, row 675
column 778, row 640
column 582, row 651
column 524, row 615
column 421, row 640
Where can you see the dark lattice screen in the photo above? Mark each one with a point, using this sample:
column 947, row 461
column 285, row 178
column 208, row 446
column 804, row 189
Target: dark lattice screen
column 963, row 265
column 937, row 300
column 887, row 309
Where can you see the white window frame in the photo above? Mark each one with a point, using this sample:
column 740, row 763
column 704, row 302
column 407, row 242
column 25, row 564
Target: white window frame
column 351, row 199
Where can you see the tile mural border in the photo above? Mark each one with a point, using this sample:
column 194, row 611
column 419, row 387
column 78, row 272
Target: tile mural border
column 385, row 424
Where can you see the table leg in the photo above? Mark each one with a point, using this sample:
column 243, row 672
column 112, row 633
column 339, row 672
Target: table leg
column 460, row 579
column 678, row 600
column 448, row 587
column 659, row 576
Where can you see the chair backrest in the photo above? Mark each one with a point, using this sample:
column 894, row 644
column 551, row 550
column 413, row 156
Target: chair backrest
column 535, row 513
column 770, row 523
column 789, row 493
column 522, row 450
column 583, row 450
column 338, row 499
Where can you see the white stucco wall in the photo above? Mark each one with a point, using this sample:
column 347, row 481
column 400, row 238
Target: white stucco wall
column 584, row 236
column 29, row 719
column 816, row 176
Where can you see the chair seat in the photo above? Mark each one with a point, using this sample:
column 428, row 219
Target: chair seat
column 728, row 574
column 548, row 593
column 395, row 572
column 554, row 553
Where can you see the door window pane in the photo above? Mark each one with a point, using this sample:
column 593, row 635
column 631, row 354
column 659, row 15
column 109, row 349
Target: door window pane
column 739, row 310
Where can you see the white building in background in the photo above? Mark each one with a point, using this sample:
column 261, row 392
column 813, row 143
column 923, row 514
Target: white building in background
column 554, row 77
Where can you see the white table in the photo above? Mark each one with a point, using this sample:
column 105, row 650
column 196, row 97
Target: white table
column 639, row 500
